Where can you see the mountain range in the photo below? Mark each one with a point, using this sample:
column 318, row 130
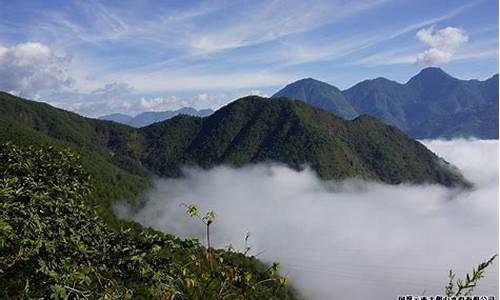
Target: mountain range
column 122, row 159
column 150, row 117
column 432, row 104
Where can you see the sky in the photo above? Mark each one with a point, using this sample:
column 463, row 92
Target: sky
column 98, row 57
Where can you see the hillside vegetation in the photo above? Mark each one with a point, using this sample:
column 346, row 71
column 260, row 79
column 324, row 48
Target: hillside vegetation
column 53, row 244
column 254, row 129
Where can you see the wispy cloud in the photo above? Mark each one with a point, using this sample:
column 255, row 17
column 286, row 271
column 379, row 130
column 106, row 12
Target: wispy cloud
column 401, row 56
column 285, row 53
column 269, row 21
column 478, row 55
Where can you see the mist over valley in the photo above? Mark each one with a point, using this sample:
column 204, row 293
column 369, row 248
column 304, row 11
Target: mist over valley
column 333, row 237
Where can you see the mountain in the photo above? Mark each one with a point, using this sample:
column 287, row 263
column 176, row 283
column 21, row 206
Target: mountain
column 248, row 130
column 119, row 118
column 319, row 94
column 381, row 98
column 440, row 97
column 150, row 117
column 432, row 104
column 254, row 129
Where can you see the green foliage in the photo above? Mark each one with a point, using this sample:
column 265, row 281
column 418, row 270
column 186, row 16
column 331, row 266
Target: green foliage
column 53, row 244
column 464, row 287
column 193, row 211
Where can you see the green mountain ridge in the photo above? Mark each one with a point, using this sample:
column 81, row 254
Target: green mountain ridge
column 248, row 130
column 296, row 134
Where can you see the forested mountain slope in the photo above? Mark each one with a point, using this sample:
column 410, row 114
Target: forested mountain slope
column 248, row 130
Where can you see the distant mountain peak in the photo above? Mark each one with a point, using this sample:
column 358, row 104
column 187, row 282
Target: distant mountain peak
column 117, row 117
column 310, row 80
column 381, row 79
column 149, row 117
column 368, row 83
column 432, row 69
column 431, row 74
column 319, row 94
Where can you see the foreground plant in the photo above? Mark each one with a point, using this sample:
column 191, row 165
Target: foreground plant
column 208, row 219
column 464, row 287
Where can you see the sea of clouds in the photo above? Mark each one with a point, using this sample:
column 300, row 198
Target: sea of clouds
column 345, row 240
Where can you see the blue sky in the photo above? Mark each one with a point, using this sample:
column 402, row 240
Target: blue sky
column 97, row 57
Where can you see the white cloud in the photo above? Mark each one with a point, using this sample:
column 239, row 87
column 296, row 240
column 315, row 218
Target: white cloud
column 447, row 39
column 28, row 68
column 110, row 98
column 256, row 93
column 120, row 98
column 350, row 239
column 442, row 44
column 162, row 81
column 200, row 101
